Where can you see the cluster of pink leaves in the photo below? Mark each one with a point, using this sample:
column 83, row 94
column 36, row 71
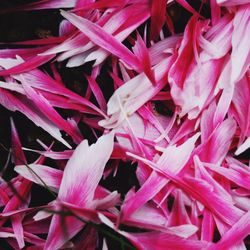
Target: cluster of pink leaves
column 194, row 181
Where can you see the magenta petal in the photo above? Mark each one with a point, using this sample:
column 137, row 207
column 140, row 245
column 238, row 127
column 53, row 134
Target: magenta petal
column 215, row 142
column 97, row 92
column 18, row 229
column 45, row 4
column 27, row 66
column 23, row 105
column 240, row 44
column 235, row 234
column 158, row 8
column 103, row 39
column 46, row 108
column 240, row 109
column 81, row 176
column 155, row 182
column 215, row 11
column 61, row 230
column 208, row 226
column 178, row 71
column 158, row 240
column 243, row 147
column 50, row 176
column 236, row 174
column 142, row 54
column 232, row 2
column 18, row 154
column 84, row 164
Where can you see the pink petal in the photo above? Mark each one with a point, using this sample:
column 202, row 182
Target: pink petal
column 83, row 166
column 41, row 81
column 243, row 147
column 18, row 229
column 202, row 191
column 215, row 143
column 240, row 109
column 159, row 50
column 19, row 158
column 155, row 182
column 240, row 43
column 62, row 155
column 45, row 107
column 81, row 176
column 178, row 215
column 45, row 4
column 130, row 24
column 18, row 154
column 217, row 187
column 158, row 9
column 157, row 240
column 107, row 202
column 208, row 226
column 42, row 41
column 134, row 93
column 142, row 54
column 103, row 4
column 103, row 39
column 215, row 11
column 97, row 92
column 28, row 237
column 238, row 175
column 26, row 53
column 215, row 203
column 193, row 76
column 21, row 104
column 232, row 2
column 52, row 177
column 27, row 65
column 235, row 234
column 178, row 71
column 226, row 96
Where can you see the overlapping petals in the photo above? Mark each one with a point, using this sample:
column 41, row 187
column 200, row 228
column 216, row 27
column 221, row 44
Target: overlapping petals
column 171, row 110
